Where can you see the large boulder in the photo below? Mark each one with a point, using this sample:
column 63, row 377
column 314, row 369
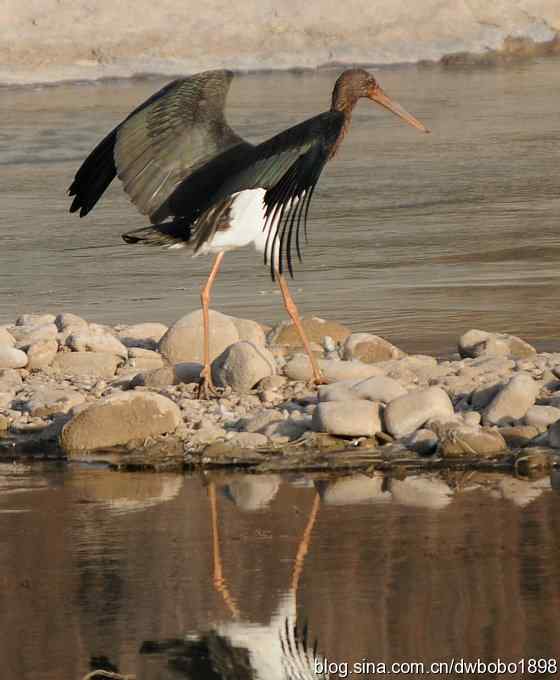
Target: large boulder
column 250, row 330
column 513, row 401
column 28, row 335
column 334, row 370
column 118, row 419
column 242, row 365
column 475, row 343
column 99, row 364
column 186, row 372
column 53, row 400
column 146, row 335
column 6, row 338
column 315, row 328
column 406, row 414
column 35, row 319
column 84, row 341
column 479, row 442
column 10, row 357
column 348, row 418
column 69, row 320
column 369, row 348
column 41, row 354
column 183, row 342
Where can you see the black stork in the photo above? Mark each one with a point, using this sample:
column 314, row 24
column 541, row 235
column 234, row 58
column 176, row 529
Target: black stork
column 205, row 188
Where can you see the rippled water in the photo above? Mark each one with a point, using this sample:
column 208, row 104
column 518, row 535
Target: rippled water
column 145, row 571
column 415, row 237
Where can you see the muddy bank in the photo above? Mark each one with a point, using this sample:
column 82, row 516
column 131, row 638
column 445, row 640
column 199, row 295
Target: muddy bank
column 127, row 396
column 50, row 40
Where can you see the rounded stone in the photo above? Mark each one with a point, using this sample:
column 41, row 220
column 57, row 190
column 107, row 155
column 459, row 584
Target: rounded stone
column 51, row 401
column 513, row 401
column 185, row 372
column 183, row 342
column 118, row 419
column 242, row 365
column 406, row 414
column 10, row 357
column 69, row 320
column 41, row 354
column 28, row 335
column 379, row 388
column 94, row 342
column 6, row 338
column 35, row 319
column 424, row 442
column 369, row 348
column 554, row 435
column 468, row 441
column 542, row 416
column 475, row 343
column 347, row 418
column 315, row 328
column 299, row 368
column 99, row 364
column 251, row 331
column 146, row 335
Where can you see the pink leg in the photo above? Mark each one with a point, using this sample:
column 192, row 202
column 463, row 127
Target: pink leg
column 294, row 316
column 206, row 387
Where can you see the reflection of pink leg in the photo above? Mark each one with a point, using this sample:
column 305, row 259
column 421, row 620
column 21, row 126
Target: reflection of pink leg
column 206, row 388
column 304, row 545
column 218, row 580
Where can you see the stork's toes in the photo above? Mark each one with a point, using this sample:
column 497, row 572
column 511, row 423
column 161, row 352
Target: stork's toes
column 206, row 388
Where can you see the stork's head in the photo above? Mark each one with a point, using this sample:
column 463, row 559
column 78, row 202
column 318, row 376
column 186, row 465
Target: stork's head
column 357, row 83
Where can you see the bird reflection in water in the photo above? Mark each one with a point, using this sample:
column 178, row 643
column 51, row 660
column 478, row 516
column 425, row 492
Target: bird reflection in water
column 243, row 650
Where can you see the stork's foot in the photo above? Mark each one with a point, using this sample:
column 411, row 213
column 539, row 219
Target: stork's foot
column 319, row 379
column 206, row 388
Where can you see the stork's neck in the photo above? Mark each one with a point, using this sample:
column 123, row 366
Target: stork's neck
column 343, row 104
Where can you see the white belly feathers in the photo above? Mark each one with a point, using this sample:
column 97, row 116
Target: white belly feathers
column 247, row 225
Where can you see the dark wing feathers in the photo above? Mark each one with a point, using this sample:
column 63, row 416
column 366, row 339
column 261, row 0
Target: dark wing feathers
column 177, row 157
column 180, row 128
column 94, row 176
column 288, row 166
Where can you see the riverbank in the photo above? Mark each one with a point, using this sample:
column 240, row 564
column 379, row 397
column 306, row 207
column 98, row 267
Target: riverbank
column 126, row 395
column 49, row 40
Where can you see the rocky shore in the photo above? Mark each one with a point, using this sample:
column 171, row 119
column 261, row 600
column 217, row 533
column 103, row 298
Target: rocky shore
column 126, row 394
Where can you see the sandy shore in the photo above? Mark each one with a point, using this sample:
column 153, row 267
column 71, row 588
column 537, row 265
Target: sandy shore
column 50, row 40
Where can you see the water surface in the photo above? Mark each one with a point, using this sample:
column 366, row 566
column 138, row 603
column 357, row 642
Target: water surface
column 415, row 237
column 143, row 570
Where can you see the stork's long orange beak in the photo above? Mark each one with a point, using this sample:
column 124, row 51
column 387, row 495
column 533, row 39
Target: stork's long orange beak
column 377, row 95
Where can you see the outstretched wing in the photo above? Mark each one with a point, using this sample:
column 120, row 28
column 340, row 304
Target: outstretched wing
column 287, row 166
column 160, row 144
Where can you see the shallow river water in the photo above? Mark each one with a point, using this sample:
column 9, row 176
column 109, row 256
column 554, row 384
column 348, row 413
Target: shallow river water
column 168, row 576
column 415, row 237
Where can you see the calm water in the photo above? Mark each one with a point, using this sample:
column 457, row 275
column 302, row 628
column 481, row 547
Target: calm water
column 415, row 237
column 141, row 569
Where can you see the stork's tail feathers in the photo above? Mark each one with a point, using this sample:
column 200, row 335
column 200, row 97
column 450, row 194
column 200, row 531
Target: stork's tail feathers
column 174, row 234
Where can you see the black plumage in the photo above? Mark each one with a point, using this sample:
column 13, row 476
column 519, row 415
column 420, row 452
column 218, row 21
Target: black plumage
column 183, row 166
column 181, row 163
